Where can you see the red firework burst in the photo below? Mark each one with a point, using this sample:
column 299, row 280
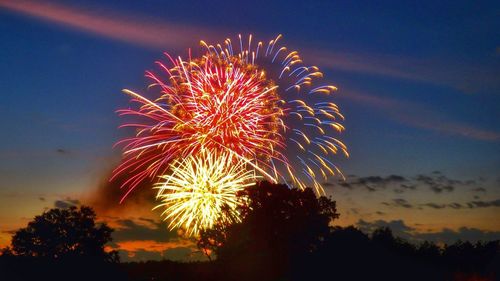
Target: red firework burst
column 206, row 103
column 265, row 110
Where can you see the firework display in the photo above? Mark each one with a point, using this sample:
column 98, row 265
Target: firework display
column 234, row 113
column 202, row 190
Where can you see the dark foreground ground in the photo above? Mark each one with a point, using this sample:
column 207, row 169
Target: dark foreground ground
column 342, row 261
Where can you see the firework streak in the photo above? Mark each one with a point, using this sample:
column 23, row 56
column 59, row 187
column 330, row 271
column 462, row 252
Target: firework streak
column 256, row 107
column 203, row 190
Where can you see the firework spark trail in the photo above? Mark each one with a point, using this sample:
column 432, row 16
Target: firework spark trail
column 259, row 108
column 310, row 127
column 228, row 102
column 208, row 104
column 202, row 190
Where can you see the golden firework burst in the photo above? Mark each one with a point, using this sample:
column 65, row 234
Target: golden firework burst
column 203, row 189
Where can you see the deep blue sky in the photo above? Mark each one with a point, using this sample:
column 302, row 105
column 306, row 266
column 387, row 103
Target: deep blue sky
column 419, row 85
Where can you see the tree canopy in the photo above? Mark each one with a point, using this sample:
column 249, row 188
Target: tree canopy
column 280, row 226
column 59, row 233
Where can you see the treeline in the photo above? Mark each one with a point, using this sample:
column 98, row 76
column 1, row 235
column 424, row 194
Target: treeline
column 347, row 254
column 285, row 234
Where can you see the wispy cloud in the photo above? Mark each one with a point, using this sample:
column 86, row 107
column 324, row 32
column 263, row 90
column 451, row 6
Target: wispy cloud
column 399, row 202
column 155, row 33
column 364, row 63
column 436, row 182
column 464, row 76
column 416, row 115
column 372, row 183
column 446, row 235
column 66, row 203
column 450, row 128
column 147, row 33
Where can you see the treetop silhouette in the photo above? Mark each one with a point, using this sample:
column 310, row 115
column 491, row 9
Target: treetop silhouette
column 60, row 233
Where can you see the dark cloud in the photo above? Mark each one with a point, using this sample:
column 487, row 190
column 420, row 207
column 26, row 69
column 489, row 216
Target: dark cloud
column 399, row 202
column 424, row 179
column 62, row 151
column 370, row 180
column 402, row 203
column 371, row 183
column 455, row 205
column 434, row 205
column 395, row 178
column 340, row 183
column 470, row 205
column 405, row 186
column 484, row 204
column 437, row 182
column 152, row 230
column 448, row 236
column 66, row 203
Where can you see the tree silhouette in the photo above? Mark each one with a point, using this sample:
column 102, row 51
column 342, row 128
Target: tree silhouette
column 280, row 228
column 60, row 233
column 285, row 234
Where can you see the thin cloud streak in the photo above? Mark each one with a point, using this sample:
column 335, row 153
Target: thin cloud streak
column 466, row 77
column 131, row 30
column 160, row 34
column 415, row 115
column 362, row 64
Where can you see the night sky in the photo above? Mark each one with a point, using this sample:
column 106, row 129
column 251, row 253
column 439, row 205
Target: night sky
column 419, row 84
